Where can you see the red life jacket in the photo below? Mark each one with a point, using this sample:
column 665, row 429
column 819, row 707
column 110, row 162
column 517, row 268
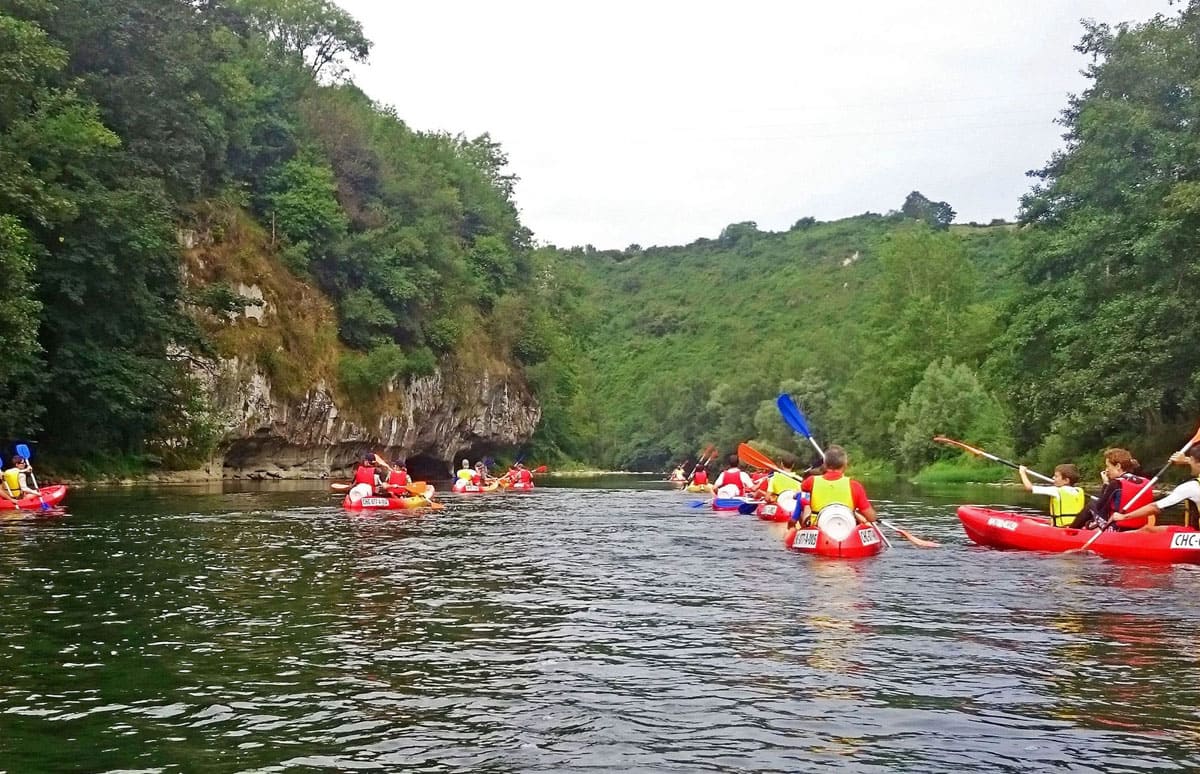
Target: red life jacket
column 732, row 476
column 1130, row 486
column 701, row 476
column 398, row 478
column 364, row 474
column 524, row 476
column 476, row 479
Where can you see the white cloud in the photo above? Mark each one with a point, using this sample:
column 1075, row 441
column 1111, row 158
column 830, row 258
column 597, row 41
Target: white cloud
column 660, row 122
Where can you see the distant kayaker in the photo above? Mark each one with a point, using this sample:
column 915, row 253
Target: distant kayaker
column 465, row 473
column 398, row 478
column 834, row 487
column 678, row 474
column 733, row 482
column 1187, row 493
column 783, row 481
column 1066, row 499
column 366, row 480
column 520, row 475
column 16, row 480
column 481, row 477
column 700, row 476
column 1121, row 491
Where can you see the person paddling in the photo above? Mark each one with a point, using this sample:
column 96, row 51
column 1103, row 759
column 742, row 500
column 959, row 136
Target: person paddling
column 1120, row 493
column 398, row 478
column 678, row 475
column 700, row 476
column 733, row 482
column 783, row 481
column 366, row 480
column 833, row 487
column 465, row 473
column 1067, row 500
column 16, row 480
column 1187, row 493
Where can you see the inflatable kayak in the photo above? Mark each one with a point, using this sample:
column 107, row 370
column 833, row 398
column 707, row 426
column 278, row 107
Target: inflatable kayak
column 780, row 511
column 516, row 486
column 772, row 512
column 696, row 488
column 391, row 503
column 1022, row 532
column 466, row 487
column 838, row 535
column 53, row 495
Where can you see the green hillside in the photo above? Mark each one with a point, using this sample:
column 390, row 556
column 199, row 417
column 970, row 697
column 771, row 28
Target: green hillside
column 694, row 342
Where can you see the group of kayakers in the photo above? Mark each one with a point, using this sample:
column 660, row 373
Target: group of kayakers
column 1126, row 501
column 804, row 495
column 374, row 476
column 480, row 476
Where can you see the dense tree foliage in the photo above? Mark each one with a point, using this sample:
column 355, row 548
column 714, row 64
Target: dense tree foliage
column 119, row 118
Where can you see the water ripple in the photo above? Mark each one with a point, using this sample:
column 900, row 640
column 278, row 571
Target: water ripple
column 571, row 630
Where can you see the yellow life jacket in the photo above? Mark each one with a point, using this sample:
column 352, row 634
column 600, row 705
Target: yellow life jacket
column 466, row 474
column 12, row 482
column 826, row 492
column 1066, row 505
column 782, row 482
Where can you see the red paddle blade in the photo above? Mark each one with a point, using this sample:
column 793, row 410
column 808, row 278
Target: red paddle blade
column 539, row 469
column 964, row 446
column 754, row 457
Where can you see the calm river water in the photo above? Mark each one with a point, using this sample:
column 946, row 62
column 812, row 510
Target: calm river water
column 589, row 626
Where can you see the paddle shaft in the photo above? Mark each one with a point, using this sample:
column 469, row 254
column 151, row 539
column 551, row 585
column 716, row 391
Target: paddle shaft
column 969, row 449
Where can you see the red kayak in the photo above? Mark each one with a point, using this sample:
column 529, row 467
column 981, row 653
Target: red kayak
column 53, row 495
column 392, row 503
column 772, row 512
column 1022, row 532
column 863, row 540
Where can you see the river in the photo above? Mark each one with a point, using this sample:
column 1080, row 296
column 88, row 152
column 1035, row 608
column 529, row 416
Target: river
column 598, row 625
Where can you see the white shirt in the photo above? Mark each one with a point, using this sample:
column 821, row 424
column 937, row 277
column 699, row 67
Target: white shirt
column 1188, row 490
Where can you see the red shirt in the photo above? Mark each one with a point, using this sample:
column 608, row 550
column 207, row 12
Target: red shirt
column 701, row 476
column 857, row 493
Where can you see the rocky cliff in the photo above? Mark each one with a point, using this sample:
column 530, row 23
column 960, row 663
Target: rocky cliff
column 272, row 387
column 445, row 416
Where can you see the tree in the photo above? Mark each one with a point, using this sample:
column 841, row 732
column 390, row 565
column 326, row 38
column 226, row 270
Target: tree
column 317, row 32
column 949, row 400
column 936, row 214
column 1101, row 340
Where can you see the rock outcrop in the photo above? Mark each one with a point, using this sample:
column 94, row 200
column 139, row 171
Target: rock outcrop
column 445, row 416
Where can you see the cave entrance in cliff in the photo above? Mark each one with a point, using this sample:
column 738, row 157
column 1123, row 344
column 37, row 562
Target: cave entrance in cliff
column 425, row 468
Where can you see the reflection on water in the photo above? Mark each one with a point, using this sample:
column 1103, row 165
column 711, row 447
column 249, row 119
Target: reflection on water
column 610, row 629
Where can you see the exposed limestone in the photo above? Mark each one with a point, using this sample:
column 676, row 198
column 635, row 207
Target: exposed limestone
column 265, row 437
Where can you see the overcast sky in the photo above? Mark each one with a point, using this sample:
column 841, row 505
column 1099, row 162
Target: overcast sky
column 657, row 122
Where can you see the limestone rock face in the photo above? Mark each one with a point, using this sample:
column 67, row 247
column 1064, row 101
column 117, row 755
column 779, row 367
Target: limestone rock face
column 445, row 416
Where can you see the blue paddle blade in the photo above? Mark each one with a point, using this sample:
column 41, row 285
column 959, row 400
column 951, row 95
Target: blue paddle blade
column 24, row 451
column 698, row 503
column 792, row 414
column 747, row 508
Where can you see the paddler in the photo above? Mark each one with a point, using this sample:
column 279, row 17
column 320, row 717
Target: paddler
column 1187, row 493
column 783, row 481
column 833, row 487
column 678, row 474
column 733, row 482
column 521, row 475
column 16, row 480
column 465, row 473
column 366, row 480
column 481, row 478
column 700, row 476
column 1121, row 486
column 1066, row 499
column 398, row 478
